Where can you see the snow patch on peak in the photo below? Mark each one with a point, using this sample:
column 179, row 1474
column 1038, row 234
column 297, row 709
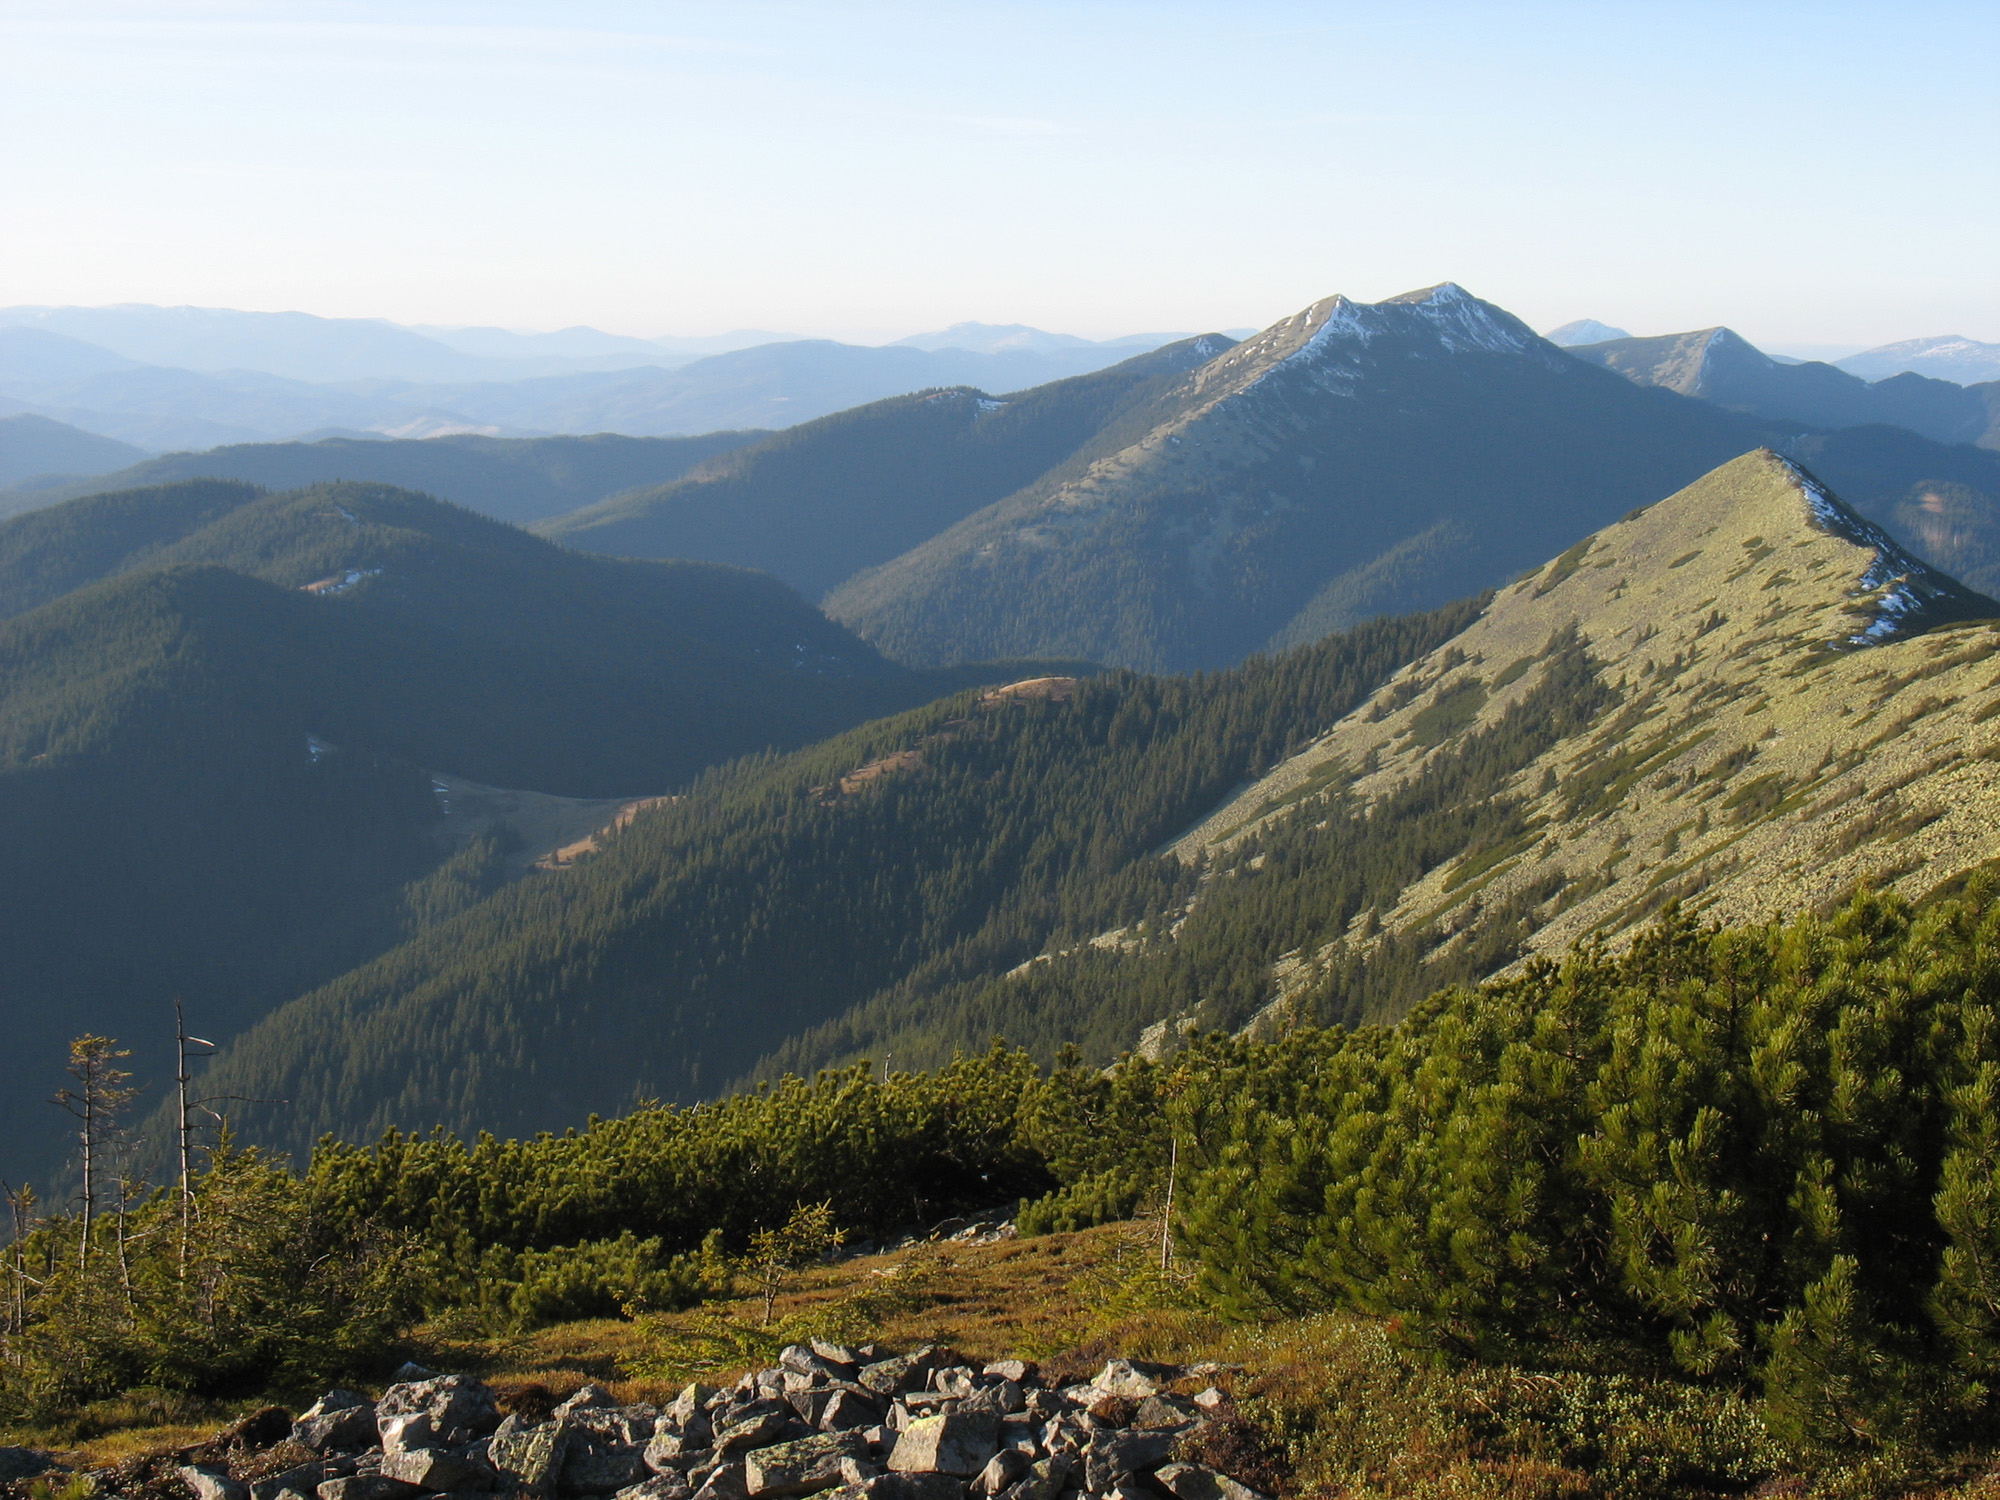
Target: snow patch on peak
column 1904, row 589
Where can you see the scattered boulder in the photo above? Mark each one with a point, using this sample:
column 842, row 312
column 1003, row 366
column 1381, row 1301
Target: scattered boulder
column 1167, row 1412
column 667, row 1486
column 1111, row 1456
column 338, row 1420
column 457, row 1409
column 726, row 1483
column 364, row 1487
column 804, row 1466
column 1130, row 1378
column 212, row 1483
column 1198, row 1482
column 954, row 1442
column 529, row 1458
column 590, row 1395
column 435, row 1469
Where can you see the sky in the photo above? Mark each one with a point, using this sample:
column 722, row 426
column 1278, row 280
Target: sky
column 1816, row 176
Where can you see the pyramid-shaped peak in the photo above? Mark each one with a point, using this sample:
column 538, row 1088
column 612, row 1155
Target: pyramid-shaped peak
column 1757, row 533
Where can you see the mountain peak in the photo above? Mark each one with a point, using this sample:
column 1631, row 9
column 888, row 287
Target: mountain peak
column 1771, row 676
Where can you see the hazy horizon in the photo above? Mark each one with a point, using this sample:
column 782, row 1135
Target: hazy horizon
column 1098, row 169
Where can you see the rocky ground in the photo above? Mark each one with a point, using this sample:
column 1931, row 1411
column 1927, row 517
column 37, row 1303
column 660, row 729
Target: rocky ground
column 852, row 1423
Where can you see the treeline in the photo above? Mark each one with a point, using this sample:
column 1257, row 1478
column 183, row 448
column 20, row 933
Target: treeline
column 1763, row 1160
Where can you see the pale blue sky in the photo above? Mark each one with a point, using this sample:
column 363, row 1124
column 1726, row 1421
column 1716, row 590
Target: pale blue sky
column 1806, row 173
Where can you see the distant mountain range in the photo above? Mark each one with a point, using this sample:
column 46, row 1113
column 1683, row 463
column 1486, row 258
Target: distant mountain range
column 1207, row 499
column 1951, row 357
column 511, row 479
column 1719, row 365
column 1584, row 331
column 170, row 378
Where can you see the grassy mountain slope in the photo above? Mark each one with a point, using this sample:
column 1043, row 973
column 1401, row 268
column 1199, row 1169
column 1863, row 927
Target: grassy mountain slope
column 1351, row 460
column 511, row 479
column 958, row 839
column 1787, row 706
column 219, row 780
column 1662, row 712
column 825, row 499
column 1719, row 365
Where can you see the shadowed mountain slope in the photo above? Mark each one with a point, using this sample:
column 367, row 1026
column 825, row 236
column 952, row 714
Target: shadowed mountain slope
column 32, row 445
column 1352, row 460
column 221, row 720
column 821, row 501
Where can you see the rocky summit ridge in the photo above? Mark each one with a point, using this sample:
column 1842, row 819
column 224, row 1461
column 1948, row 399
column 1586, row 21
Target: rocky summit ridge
column 1791, row 707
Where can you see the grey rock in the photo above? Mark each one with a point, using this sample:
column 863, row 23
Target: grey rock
column 810, row 1404
column 1113, row 1455
column 1128, row 1491
column 1002, row 1396
column 668, row 1486
column 1210, row 1400
column 837, row 1354
column 855, row 1471
column 406, row 1429
column 845, row 1410
column 804, row 1466
column 1044, row 1480
column 342, row 1428
column 952, row 1443
column 334, row 1400
column 801, row 1359
column 726, row 1483
column 590, row 1395
column 1003, row 1470
column 303, row 1480
column 601, row 1471
column 916, row 1487
column 693, row 1401
column 756, row 1428
column 366, row 1487
column 435, row 1469
column 1125, row 1377
column 1166, row 1411
column 531, row 1458
column 459, row 1407
column 675, row 1451
column 212, row 1484
column 629, row 1426
column 1199, row 1482
column 1020, row 1371
column 954, row 1380
column 410, row 1371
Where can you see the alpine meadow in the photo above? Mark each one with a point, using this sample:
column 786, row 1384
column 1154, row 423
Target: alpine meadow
column 1282, row 895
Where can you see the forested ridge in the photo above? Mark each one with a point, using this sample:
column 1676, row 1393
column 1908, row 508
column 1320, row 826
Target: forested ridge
column 772, row 898
column 217, row 782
